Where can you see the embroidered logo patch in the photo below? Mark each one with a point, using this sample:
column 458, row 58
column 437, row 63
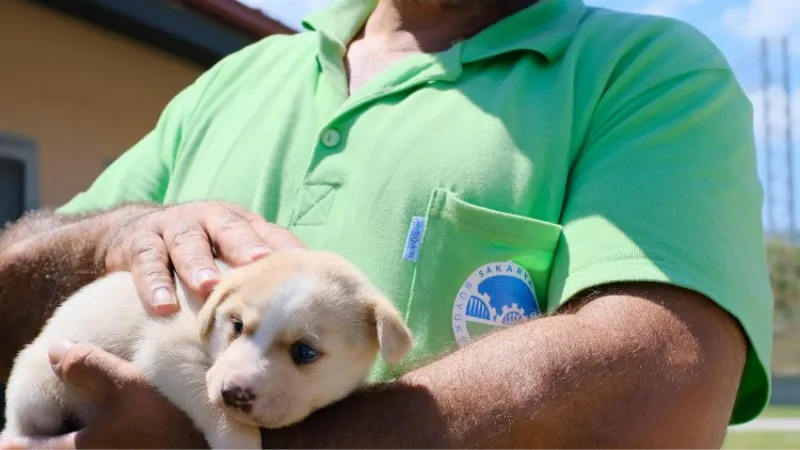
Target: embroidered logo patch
column 497, row 294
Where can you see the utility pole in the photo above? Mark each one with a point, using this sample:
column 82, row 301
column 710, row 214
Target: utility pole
column 766, row 82
column 787, row 88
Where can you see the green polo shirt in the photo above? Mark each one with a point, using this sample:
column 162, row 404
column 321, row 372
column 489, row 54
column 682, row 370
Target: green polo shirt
column 562, row 148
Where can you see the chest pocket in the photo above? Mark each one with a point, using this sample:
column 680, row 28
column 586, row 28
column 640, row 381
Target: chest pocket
column 476, row 270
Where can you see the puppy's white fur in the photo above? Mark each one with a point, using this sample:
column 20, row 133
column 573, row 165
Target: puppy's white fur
column 191, row 357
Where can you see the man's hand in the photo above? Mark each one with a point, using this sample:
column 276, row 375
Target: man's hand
column 188, row 237
column 131, row 413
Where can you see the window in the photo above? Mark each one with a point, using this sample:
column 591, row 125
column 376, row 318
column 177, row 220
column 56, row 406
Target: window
column 19, row 184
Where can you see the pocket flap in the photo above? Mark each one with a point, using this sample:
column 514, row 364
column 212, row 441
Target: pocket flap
column 492, row 224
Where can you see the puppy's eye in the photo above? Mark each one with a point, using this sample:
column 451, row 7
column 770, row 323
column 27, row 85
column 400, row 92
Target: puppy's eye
column 238, row 326
column 303, row 353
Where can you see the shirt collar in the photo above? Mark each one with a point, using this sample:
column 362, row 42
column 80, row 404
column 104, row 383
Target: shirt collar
column 546, row 27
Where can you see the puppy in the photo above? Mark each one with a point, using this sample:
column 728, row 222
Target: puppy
column 275, row 341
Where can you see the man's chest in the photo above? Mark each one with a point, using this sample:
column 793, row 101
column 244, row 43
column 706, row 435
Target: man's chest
column 448, row 202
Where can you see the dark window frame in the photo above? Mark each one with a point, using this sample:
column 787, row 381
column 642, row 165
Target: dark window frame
column 24, row 150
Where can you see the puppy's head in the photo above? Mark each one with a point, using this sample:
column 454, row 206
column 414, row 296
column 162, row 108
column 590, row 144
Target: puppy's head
column 294, row 332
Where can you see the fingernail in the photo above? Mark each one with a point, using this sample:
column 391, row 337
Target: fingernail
column 57, row 351
column 203, row 276
column 258, row 252
column 163, row 297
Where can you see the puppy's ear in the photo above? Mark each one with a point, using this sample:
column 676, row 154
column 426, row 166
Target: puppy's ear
column 394, row 337
column 205, row 318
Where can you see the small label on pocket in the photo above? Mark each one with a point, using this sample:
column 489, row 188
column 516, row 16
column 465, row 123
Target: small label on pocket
column 414, row 239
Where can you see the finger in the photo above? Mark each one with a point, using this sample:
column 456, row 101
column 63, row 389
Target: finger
column 276, row 237
column 151, row 273
column 65, row 441
column 191, row 255
column 89, row 368
column 234, row 237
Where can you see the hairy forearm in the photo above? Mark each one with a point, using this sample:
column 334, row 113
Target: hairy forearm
column 32, row 223
column 43, row 259
column 490, row 394
column 563, row 381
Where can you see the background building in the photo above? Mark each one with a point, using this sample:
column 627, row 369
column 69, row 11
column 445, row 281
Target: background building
column 83, row 80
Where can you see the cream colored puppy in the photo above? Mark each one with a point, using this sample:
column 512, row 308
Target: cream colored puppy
column 276, row 340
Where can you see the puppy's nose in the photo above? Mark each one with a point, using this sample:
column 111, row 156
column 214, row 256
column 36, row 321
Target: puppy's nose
column 237, row 397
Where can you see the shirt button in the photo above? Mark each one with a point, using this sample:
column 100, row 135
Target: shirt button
column 331, row 138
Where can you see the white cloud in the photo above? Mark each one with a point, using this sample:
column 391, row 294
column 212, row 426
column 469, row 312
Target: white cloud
column 769, row 18
column 669, row 8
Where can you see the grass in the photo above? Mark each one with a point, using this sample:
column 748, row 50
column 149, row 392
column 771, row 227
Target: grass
column 781, row 411
column 768, row 439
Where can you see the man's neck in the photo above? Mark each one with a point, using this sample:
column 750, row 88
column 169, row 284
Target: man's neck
column 431, row 26
column 399, row 28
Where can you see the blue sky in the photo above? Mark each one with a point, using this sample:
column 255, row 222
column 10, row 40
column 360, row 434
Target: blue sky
column 736, row 26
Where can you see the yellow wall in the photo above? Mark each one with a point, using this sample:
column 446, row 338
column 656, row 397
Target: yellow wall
column 83, row 93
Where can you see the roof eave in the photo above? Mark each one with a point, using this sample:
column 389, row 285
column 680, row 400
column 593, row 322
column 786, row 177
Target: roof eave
column 185, row 28
column 241, row 16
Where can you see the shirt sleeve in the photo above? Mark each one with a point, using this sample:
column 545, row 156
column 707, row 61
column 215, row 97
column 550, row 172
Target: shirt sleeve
column 665, row 189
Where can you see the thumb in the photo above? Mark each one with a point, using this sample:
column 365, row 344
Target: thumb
column 88, row 368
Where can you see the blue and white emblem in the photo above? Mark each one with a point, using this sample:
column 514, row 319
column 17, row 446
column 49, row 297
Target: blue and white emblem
column 497, row 294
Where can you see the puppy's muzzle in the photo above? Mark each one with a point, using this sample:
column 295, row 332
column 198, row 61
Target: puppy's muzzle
column 237, row 397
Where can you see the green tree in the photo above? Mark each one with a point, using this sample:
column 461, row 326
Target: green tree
column 784, row 268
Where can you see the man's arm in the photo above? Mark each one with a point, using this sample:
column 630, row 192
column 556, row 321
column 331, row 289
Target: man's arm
column 43, row 259
column 638, row 366
column 32, row 223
